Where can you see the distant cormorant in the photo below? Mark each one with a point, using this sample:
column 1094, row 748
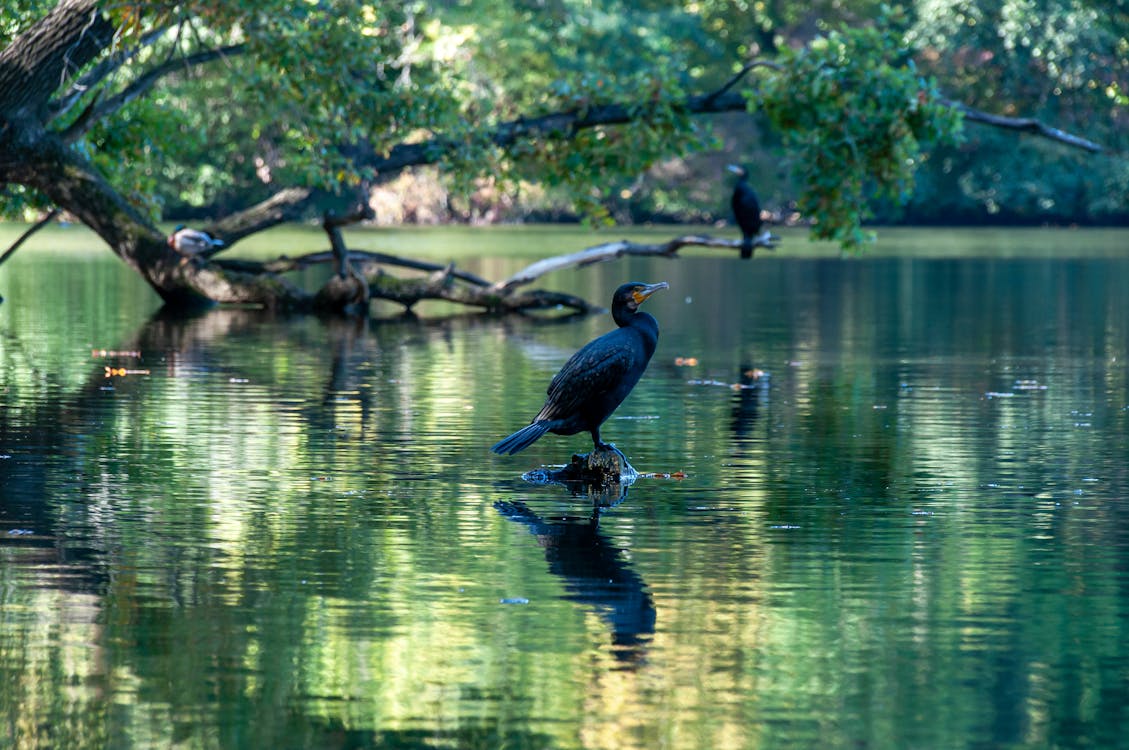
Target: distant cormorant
column 746, row 209
column 191, row 242
column 597, row 378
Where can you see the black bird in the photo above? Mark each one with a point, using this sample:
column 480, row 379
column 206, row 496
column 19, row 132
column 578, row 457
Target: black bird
column 597, row 378
column 746, row 209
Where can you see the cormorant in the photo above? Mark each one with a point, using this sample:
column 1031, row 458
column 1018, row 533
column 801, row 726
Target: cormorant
column 746, row 209
column 595, row 380
column 190, row 242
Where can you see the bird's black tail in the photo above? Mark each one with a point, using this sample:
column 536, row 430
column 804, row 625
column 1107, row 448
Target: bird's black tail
column 746, row 248
column 521, row 439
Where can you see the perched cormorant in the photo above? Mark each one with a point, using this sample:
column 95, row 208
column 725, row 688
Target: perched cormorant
column 746, row 209
column 192, row 242
column 597, row 378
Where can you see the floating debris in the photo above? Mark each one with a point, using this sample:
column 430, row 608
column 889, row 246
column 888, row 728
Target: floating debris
column 730, row 386
column 1029, row 385
column 121, row 372
column 117, row 353
column 514, row 600
column 709, row 382
column 20, row 532
column 664, row 475
column 685, row 361
column 999, row 394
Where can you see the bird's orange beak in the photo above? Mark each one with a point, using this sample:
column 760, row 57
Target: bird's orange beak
column 642, row 293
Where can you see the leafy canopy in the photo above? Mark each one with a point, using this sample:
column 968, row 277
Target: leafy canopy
column 856, row 118
column 308, row 93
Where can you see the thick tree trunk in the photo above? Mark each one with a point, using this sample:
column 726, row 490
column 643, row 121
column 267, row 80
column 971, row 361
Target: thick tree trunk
column 53, row 50
column 32, row 67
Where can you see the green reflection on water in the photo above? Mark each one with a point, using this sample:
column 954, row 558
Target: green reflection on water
column 289, row 533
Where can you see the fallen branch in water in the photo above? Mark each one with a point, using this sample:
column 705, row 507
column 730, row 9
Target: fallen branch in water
column 345, row 292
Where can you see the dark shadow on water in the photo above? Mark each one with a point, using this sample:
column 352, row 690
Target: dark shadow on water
column 752, row 388
column 595, row 574
column 333, row 735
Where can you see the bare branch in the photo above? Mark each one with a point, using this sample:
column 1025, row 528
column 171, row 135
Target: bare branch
column 290, row 204
column 332, row 223
column 741, row 74
column 1025, row 125
column 357, row 257
column 613, row 250
column 27, row 235
column 440, row 286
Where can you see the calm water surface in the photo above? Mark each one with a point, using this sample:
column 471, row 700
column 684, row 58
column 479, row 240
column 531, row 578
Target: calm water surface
column 903, row 520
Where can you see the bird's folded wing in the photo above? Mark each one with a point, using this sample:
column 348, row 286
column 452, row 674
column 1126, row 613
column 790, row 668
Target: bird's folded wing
column 590, row 372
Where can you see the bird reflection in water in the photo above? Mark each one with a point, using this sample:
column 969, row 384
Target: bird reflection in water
column 595, row 574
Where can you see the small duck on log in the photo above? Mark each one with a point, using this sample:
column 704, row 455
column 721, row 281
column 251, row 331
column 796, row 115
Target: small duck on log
column 192, row 242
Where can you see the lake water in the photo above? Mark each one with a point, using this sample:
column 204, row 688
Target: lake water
column 903, row 520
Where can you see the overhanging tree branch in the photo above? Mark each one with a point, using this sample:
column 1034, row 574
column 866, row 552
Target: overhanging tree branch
column 744, row 71
column 27, row 235
column 145, row 82
column 1025, row 125
column 102, row 70
column 566, row 124
column 561, row 125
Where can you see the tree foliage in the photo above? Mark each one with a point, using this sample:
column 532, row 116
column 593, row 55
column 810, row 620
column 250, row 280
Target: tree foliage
column 1065, row 62
column 222, row 104
column 856, row 117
